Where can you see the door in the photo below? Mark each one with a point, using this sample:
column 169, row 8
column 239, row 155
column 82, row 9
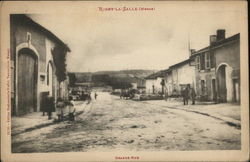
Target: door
column 222, row 89
column 214, row 90
column 27, row 75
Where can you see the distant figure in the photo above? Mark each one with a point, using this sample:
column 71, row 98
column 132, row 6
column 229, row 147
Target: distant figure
column 50, row 107
column 89, row 97
column 71, row 109
column 185, row 96
column 96, row 95
column 60, row 107
column 193, row 95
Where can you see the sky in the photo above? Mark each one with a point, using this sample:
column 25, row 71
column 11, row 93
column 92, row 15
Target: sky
column 101, row 41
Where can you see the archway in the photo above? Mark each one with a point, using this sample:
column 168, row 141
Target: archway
column 224, row 83
column 27, row 74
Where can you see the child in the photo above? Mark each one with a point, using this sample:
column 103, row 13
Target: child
column 60, row 105
column 71, row 109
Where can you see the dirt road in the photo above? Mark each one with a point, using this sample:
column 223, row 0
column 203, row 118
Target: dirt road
column 112, row 124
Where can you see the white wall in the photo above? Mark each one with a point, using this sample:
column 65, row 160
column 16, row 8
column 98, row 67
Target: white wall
column 186, row 74
column 229, row 83
column 157, row 85
column 134, row 85
column 169, row 86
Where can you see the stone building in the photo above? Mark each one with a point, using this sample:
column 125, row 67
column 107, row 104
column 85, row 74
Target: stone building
column 217, row 71
column 153, row 83
column 180, row 76
column 38, row 65
column 175, row 79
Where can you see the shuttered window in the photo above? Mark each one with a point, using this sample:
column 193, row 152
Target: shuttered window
column 198, row 62
column 202, row 61
column 212, row 59
column 207, row 60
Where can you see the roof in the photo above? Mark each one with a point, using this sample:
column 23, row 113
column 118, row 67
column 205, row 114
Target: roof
column 218, row 43
column 158, row 74
column 180, row 64
column 163, row 72
column 24, row 19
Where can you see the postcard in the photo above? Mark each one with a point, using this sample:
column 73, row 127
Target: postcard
column 124, row 81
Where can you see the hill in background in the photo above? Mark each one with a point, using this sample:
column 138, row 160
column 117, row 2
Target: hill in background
column 102, row 76
column 127, row 73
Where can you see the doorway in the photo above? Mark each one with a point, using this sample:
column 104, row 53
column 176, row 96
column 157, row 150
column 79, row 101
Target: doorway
column 26, row 82
column 214, row 90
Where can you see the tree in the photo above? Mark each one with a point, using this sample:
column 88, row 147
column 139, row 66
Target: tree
column 59, row 53
column 72, row 79
column 117, row 83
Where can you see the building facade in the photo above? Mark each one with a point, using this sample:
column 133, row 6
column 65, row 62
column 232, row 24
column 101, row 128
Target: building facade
column 35, row 72
column 213, row 72
column 172, row 80
column 180, row 76
column 218, row 69
column 155, row 83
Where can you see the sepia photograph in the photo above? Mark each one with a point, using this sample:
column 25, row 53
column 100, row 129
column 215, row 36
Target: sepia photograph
column 94, row 77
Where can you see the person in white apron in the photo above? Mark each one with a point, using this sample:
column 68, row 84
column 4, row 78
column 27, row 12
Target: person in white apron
column 72, row 109
column 60, row 109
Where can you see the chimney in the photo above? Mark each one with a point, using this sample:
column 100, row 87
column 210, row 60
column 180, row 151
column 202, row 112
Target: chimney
column 192, row 51
column 213, row 39
column 221, row 34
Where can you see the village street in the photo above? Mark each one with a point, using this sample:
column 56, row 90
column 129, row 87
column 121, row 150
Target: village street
column 113, row 124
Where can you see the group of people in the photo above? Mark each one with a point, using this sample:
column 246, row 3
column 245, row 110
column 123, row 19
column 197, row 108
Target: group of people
column 187, row 93
column 61, row 107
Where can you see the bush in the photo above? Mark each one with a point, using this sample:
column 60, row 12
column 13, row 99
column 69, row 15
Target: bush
column 144, row 97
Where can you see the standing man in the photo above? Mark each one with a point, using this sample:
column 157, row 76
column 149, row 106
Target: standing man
column 50, row 107
column 185, row 96
column 193, row 95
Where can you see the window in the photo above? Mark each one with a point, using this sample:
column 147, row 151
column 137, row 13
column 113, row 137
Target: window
column 48, row 74
column 198, row 62
column 202, row 61
column 207, row 60
column 212, row 59
column 202, row 86
column 42, row 79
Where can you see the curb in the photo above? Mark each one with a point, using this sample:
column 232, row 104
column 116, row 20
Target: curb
column 43, row 125
column 230, row 122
